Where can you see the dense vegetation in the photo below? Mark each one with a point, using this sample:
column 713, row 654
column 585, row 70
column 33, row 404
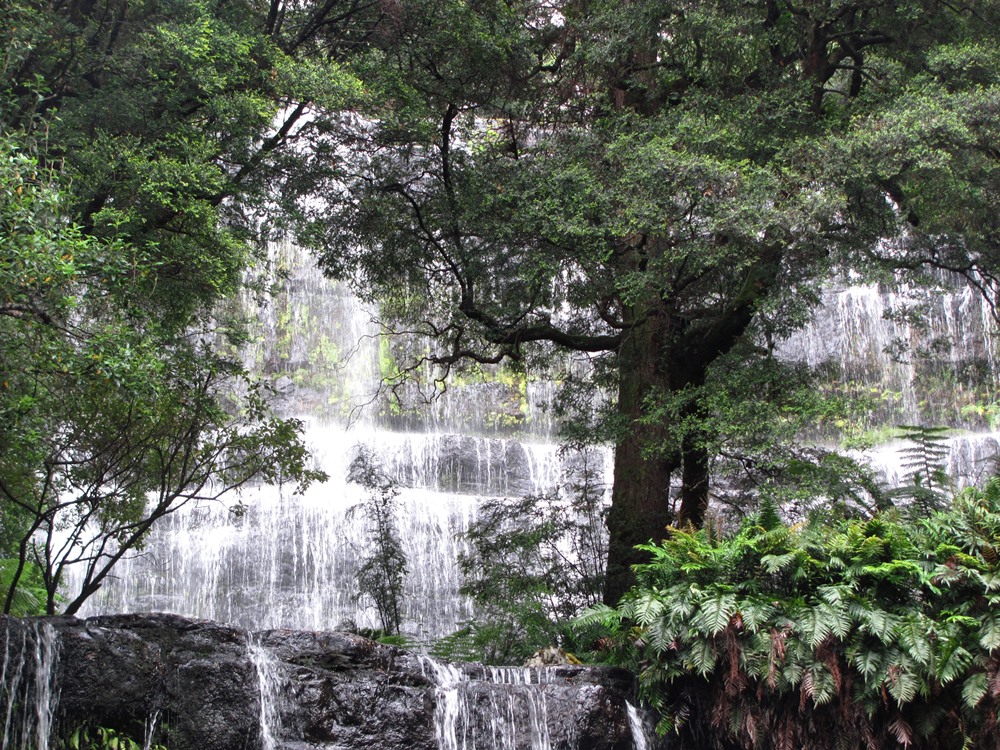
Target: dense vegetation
column 867, row 633
column 134, row 145
column 664, row 188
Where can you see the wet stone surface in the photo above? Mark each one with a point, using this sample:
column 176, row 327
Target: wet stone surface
column 190, row 684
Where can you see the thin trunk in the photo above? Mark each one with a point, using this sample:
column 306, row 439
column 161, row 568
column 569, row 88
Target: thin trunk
column 694, row 484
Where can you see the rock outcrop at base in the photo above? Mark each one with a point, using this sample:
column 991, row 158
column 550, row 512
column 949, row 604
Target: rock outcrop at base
column 197, row 685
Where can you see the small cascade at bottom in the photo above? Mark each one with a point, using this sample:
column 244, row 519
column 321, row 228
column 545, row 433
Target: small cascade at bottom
column 500, row 708
column 269, row 684
column 28, row 689
column 637, row 722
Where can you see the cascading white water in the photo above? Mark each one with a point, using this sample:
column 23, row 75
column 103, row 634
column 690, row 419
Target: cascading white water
column 28, row 690
column 640, row 731
column 290, row 561
column 503, row 708
column 919, row 366
column 151, row 724
column 269, row 683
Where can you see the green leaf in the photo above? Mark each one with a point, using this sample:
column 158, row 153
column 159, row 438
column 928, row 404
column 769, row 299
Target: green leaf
column 989, row 632
column 974, row 689
column 715, row 614
column 702, row 656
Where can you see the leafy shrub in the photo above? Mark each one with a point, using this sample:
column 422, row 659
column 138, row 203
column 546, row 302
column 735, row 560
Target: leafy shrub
column 854, row 634
column 534, row 563
column 383, row 568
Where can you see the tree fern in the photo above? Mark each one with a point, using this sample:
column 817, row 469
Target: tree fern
column 923, row 461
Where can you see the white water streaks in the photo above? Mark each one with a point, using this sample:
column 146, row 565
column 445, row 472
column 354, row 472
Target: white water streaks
column 290, row 560
column 496, row 708
column 889, row 338
column 270, row 681
column 28, row 689
column 640, row 730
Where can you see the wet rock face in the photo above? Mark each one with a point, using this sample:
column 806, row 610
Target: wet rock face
column 198, row 685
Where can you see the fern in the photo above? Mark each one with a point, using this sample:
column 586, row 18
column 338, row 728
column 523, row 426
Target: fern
column 702, row 656
column 715, row 614
column 902, row 681
column 974, row 689
column 989, row 631
column 854, row 634
column 952, row 660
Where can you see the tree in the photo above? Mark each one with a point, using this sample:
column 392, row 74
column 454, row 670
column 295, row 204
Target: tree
column 533, row 564
column 661, row 186
column 383, row 569
column 139, row 144
column 110, row 419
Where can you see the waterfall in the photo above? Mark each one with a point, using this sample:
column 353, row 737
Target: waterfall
column 276, row 559
column 289, row 560
column 640, row 731
column 921, row 354
column 28, row 689
column 499, row 708
column 269, row 682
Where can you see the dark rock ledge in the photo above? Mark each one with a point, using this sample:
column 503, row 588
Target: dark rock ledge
column 198, row 685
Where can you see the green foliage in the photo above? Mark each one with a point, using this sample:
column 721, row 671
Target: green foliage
column 110, row 417
column 665, row 189
column 26, row 586
column 923, row 461
column 140, row 143
column 88, row 737
column 383, row 568
column 857, row 633
column 534, row 563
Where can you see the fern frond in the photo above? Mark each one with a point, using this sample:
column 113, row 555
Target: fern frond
column 915, row 636
column 902, row 731
column 974, row 689
column 989, row 631
column 902, row 683
column 952, row 660
column 702, row 656
column 647, row 608
column 600, row 614
column 715, row 614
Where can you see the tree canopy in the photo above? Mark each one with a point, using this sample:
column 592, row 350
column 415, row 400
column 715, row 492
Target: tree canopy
column 661, row 186
column 138, row 142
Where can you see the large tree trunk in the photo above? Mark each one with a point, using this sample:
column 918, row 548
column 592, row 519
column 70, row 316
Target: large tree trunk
column 640, row 503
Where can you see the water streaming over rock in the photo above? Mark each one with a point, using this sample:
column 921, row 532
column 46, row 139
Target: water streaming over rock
column 28, row 689
column 269, row 682
column 640, row 731
column 286, row 560
column 921, row 355
column 500, row 708
column 289, row 561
